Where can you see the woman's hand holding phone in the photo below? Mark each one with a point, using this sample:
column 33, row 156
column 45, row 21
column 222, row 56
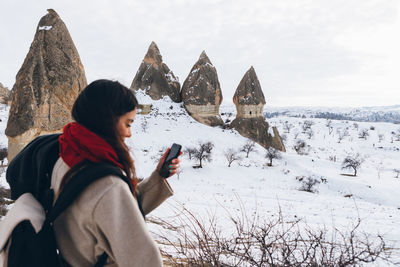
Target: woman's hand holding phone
column 172, row 161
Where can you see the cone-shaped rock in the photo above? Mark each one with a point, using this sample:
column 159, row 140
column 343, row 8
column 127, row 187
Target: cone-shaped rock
column 46, row 86
column 5, row 94
column 249, row 100
column 201, row 92
column 155, row 78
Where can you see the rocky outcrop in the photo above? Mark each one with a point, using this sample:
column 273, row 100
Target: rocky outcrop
column 249, row 122
column 46, row 86
column 155, row 78
column 201, row 92
column 5, row 94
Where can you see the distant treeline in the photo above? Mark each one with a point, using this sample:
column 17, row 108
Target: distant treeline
column 393, row 117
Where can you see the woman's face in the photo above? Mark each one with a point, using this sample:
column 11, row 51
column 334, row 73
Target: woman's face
column 124, row 124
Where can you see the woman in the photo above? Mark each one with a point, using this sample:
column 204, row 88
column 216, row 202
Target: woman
column 106, row 216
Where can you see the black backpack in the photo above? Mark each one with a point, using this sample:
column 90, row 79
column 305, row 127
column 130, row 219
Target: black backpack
column 30, row 172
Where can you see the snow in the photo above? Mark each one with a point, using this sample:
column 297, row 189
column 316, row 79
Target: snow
column 217, row 188
column 45, row 28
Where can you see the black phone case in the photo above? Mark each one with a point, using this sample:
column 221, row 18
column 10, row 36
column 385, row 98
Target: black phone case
column 175, row 149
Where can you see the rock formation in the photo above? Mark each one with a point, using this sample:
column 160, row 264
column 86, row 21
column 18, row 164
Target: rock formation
column 5, row 94
column 201, row 92
column 249, row 100
column 46, row 86
column 155, row 78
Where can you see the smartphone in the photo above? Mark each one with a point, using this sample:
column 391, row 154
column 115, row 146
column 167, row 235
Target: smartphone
column 172, row 154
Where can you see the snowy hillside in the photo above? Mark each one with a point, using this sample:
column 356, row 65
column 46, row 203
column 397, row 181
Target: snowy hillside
column 339, row 200
column 367, row 114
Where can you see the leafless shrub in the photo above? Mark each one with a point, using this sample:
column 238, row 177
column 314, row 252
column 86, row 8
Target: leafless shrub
column 301, row 147
column 193, row 240
column 231, row 155
column 342, row 133
column 190, row 152
column 363, row 134
column 352, row 162
column 3, row 154
column 309, row 133
column 248, row 147
column 397, row 171
column 308, row 183
column 307, row 125
column 271, row 154
column 287, row 126
column 203, row 153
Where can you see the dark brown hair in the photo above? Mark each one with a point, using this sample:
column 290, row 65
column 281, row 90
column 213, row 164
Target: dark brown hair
column 98, row 108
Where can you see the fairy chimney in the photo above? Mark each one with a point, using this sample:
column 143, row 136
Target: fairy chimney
column 201, row 92
column 5, row 94
column 46, row 86
column 155, row 78
column 249, row 122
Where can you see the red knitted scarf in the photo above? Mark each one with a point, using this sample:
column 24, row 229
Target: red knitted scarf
column 77, row 144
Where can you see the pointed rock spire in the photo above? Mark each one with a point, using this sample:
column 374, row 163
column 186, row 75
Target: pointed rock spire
column 155, row 78
column 249, row 91
column 201, row 92
column 47, row 84
column 249, row 100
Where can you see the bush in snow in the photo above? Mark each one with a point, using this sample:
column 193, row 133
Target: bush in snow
column 307, row 125
column 308, row 183
column 271, row 154
column 248, row 147
column 203, row 153
column 352, row 162
column 287, row 126
column 231, row 155
column 363, row 134
column 192, row 240
column 397, row 171
column 342, row 133
column 190, row 152
column 3, row 154
column 301, row 147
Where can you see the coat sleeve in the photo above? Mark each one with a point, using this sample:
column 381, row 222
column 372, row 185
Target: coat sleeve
column 123, row 228
column 153, row 191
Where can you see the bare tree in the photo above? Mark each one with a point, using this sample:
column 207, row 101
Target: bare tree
column 203, row 153
column 248, row 147
column 307, row 125
column 287, row 126
column 381, row 137
column 309, row 133
column 3, row 154
column 355, row 125
column 328, row 123
column 397, row 135
column 352, row 162
column 271, row 154
column 190, row 152
column 397, row 171
column 231, row 155
column 342, row 133
column 144, row 125
column 296, row 134
column 363, row 134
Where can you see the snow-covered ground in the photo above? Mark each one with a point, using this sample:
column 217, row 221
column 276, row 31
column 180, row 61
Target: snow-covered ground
column 372, row 196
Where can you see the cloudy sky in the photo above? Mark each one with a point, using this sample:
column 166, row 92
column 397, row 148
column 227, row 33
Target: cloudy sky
column 305, row 52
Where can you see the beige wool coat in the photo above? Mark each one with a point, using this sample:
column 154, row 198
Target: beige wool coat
column 106, row 218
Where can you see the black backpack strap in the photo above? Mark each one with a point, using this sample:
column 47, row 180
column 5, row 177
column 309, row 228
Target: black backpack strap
column 78, row 183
